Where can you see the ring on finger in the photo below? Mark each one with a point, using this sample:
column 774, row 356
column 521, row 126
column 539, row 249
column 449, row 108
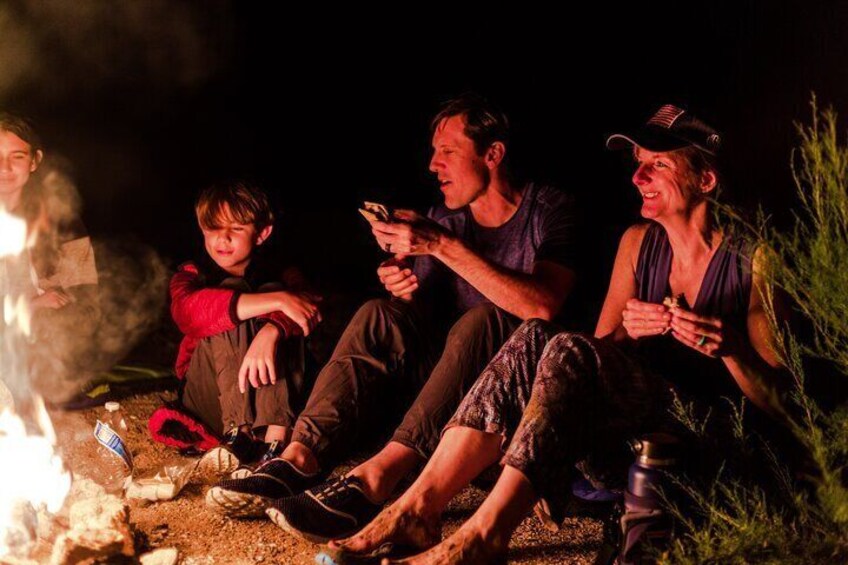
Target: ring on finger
column 701, row 341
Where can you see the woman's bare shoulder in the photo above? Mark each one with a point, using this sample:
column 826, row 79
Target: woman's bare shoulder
column 632, row 238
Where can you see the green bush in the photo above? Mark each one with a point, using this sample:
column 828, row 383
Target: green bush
column 745, row 515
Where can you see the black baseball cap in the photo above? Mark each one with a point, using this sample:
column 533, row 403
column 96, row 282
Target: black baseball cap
column 668, row 129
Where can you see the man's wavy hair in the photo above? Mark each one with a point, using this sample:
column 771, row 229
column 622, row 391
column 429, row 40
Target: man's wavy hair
column 485, row 123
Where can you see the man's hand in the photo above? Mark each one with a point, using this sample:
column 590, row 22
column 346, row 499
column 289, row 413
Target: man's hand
column 257, row 367
column 409, row 234
column 643, row 319
column 55, row 299
column 301, row 307
column 398, row 278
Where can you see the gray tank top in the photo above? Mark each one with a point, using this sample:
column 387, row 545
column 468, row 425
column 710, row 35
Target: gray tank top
column 725, row 292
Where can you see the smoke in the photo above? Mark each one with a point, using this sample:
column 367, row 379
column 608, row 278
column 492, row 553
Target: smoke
column 55, row 55
column 16, row 51
column 83, row 342
column 117, row 291
column 90, row 44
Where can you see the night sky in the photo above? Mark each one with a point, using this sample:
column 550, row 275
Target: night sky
column 150, row 101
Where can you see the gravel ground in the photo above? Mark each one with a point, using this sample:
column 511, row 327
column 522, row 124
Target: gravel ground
column 204, row 537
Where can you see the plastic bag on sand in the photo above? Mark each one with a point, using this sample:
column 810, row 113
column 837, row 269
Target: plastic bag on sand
column 165, row 483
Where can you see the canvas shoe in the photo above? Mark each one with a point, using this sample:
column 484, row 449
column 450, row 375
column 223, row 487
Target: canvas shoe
column 248, row 497
column 333, row 510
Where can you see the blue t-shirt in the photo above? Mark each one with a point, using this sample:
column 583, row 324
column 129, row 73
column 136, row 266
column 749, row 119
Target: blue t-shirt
column 542, row 229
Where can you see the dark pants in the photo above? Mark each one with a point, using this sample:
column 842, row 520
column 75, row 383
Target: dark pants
column 211, row 383
column 390, row 357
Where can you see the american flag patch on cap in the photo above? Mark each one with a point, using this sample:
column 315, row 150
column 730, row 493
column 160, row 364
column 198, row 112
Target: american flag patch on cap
column 666, row 116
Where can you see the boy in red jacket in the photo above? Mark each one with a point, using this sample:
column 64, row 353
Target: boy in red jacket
column 241, row 359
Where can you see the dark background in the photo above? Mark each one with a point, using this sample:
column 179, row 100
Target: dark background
column 150, row 101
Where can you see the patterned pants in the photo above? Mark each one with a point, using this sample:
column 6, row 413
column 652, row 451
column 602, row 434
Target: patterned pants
column 558, row 399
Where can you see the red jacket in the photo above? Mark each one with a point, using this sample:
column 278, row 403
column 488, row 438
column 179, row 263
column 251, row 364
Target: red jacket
column 200, row 311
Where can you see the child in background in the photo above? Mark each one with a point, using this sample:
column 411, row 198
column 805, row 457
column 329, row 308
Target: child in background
column 57, row 274
column 242, row 357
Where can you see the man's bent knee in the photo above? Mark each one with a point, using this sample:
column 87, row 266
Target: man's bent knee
column 477, row 320
column 377, row 310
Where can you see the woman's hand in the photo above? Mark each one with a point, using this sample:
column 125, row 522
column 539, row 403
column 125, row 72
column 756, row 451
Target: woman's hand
column 301, row 307
column 705, row 334
column 257, row 367
column 643, row 319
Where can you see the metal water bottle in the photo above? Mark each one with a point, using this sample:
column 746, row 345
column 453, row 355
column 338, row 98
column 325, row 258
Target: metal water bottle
column 655, row 454
column 645, row 522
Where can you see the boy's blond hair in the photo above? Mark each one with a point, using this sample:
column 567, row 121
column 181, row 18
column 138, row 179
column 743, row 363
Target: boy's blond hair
column 238, row 201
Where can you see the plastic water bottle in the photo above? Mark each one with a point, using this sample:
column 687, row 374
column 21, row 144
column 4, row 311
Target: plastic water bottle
column 115, row 464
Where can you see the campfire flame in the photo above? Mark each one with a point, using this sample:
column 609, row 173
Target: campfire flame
column 13, row 234
column 31, row 473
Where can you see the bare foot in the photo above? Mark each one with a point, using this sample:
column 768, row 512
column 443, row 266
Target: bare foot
column 396, row 527
column 467, row 546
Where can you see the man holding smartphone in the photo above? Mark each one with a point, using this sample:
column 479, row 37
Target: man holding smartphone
column 461, row 280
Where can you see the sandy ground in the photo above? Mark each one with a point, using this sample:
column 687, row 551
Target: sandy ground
column 204, row 537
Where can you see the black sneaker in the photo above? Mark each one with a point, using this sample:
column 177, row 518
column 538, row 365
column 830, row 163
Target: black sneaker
column 274, row 450
column 236, row 448
column 248, row 497
column 333, row 510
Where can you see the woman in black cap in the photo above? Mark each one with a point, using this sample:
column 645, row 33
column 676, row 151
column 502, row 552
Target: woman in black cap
column 683, row 318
